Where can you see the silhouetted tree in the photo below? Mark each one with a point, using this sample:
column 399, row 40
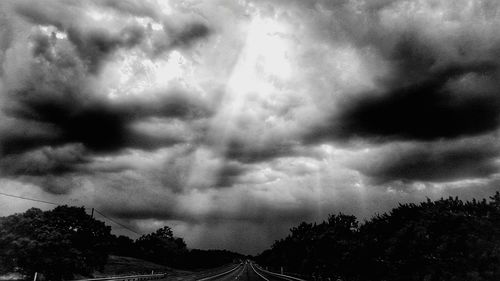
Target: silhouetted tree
column 195, row 259
column 324, row 248
column 123, row 246
column 442, row 240
column 57, row 243
column 161, row 247
column 447, row 239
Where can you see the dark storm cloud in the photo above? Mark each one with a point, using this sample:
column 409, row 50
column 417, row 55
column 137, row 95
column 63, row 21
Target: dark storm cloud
column 54, row 169
column 54, row 184
column 58, row 97
column 181, row 37
column 95, row 46
column 229, row 174
column 40, row 14
column 433, row 161
column 411, row 98
column 427, row 109
column 100, row 126
column 251, row 153
column 188, row 34
column 432, row 96
column 45, row 161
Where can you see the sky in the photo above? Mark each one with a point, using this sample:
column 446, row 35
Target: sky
column 233, row 120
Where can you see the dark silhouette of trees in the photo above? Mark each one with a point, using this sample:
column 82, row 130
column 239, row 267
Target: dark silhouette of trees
column 324, row 248
column 65, row 241
column 161, row 247
column 196, row 259
column 123, row 246
column 447, row 239
column 57, row 243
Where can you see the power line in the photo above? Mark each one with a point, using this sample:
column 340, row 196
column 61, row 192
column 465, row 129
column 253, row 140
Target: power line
column 129, row 229
column 56, row 204
column 30, row 199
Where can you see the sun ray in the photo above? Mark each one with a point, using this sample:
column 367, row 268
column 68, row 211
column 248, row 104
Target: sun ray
column 262, row 60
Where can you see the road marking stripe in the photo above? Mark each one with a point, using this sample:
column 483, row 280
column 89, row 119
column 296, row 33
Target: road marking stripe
column 239, row 274
column 220, row 274
column 258, row 273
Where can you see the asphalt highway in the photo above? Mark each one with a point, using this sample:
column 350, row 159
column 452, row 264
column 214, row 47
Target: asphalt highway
column 247, row 272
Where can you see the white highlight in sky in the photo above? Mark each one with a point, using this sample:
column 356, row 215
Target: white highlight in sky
column 134, row 74
column 264, row 57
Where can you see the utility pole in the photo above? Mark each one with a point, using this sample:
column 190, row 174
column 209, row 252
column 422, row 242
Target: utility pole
column 92, row 214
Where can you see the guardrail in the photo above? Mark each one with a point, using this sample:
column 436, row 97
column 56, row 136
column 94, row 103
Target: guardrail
column 283, row 276
column 128, row 278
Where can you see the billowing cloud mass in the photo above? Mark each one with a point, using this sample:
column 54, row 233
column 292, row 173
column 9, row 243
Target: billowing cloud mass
column 231, row 121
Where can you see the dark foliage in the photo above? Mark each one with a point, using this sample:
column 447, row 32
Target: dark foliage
column 446, row 239
column 196, row 259
column 123, row 246
column 65, row 241
column 161, row 247
column 57, row 243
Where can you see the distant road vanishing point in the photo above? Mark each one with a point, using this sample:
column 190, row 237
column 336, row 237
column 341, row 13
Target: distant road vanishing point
column 249, row 271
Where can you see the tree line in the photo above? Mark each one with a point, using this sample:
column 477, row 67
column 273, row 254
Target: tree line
column 66, row 241
column 447, row 239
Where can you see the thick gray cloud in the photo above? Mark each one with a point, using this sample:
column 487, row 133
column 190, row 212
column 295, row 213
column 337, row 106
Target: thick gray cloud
column 429, row 109
column 218, row 117
column 95, row 44
column 442, row 161
column 45, row 161
column 56, row 94
column 98, row 125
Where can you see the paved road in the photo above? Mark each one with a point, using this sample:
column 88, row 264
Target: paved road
column 246, row 272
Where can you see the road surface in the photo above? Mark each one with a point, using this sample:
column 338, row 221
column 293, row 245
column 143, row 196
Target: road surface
column 248, row 271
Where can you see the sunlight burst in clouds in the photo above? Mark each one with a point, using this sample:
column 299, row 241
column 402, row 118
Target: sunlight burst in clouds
column 262, row 60
column 263, row 56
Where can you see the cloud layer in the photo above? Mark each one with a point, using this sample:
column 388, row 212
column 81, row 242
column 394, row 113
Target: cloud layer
column 230, row 119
